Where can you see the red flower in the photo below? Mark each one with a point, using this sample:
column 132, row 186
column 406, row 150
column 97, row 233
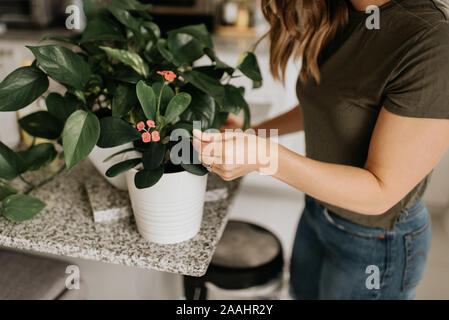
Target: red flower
column 151, row 124
column 146, row 137
column 155, row 136
column 141, row 126
column 168, row 75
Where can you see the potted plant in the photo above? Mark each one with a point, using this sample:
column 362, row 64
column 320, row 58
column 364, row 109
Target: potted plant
column 120, row 73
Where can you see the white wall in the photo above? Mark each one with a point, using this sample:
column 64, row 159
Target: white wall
column 437, row 195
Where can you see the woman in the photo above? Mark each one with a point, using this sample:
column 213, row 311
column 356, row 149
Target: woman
column 374, row 105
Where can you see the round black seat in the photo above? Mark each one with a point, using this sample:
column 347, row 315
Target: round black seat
column 248, row 257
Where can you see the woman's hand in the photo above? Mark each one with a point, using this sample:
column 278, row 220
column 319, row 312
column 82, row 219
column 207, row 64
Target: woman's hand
column 229, row 154
column 232, row 122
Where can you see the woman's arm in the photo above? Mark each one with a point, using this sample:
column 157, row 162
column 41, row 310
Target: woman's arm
column 288, row 122
column 403, row 150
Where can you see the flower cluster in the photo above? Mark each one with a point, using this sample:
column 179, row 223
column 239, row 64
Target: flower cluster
column 170, row 76
column 148, row 135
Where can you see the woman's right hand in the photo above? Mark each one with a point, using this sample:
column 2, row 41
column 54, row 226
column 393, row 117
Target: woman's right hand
column 232, row 122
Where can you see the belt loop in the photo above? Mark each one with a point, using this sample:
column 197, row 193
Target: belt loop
column 403, row 215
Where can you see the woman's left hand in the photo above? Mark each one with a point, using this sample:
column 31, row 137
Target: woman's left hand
column 229, row 154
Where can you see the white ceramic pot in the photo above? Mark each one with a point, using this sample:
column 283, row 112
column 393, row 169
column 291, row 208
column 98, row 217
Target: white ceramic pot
column 171, row 211
column 97, row 157
column 9, row 129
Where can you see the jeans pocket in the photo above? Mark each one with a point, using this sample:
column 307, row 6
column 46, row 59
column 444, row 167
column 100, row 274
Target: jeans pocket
column 417, row 245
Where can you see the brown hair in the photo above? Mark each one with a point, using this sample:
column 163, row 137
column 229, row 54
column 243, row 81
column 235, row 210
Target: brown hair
column 302, row 28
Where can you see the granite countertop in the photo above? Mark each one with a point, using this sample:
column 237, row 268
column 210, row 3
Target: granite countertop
column 66, row 227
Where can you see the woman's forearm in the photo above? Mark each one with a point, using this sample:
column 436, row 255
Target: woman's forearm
column 349, row 187
column 288, row 122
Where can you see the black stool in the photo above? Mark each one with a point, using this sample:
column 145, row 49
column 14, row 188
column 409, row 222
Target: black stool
column 27, row 277
column 247, row 264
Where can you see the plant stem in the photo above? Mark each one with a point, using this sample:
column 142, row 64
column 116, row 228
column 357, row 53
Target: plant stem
column 44, row 182
column 32, row 143
column 159, row 101
column 26, row 181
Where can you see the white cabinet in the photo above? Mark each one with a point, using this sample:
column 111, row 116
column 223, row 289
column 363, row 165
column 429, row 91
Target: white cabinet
column 12, row 54
column 9, row 129
column 437, row 194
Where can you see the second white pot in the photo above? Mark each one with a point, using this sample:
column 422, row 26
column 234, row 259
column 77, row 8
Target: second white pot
column 97, row 157
column 9, row 129
column 171, row 211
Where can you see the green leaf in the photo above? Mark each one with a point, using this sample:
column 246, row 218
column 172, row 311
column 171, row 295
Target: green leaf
column 61, row 39
column 148, row 178
column 38, row 156
column 137, row 114
column 125, row 18
column 154, row 28
column 21, row 207
column 115, row 132
column 184, row 47
column 220, row 119
column 119, row 153
column 59, row 106
column 121, row 167
column 247, row 117
column 79, row 137
column 153, row 156
column 211, row 71
column 42, row 124
column 167, row 94
column 220, row 65
column 128, row 58
column 207, row 84
column 196, row 169
column 184, row 129
column 177, row 105
column 22, row 87
column 124, row 100
column 147, row 99
column 192, row 164
column 198, row 32
column 234, row 100
column 202, row 108
column 10, row 163
column 187, row 44
column 162, row 48
column 102, row 29
column 79, row 95
column 92, row 8
column 249, row 66
column 6, row 190
column 126, row 74
column 63, row 65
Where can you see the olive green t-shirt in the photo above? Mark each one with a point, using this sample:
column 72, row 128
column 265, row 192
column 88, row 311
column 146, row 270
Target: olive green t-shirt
column 403, row 66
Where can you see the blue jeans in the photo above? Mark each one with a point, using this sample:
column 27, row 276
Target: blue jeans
column 334, row 258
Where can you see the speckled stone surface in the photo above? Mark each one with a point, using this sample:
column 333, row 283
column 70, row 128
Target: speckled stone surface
column 108, row 203
column 65, row 227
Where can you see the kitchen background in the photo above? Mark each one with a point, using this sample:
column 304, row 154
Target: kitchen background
column 236, row 25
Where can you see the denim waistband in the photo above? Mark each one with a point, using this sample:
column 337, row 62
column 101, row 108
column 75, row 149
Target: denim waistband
column 409, row 213
column 404, row 215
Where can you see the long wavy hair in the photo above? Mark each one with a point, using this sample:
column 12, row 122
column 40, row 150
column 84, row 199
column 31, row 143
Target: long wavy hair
column 302, row 28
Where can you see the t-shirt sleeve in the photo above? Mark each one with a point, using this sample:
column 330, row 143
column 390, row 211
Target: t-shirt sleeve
column 419, row 85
